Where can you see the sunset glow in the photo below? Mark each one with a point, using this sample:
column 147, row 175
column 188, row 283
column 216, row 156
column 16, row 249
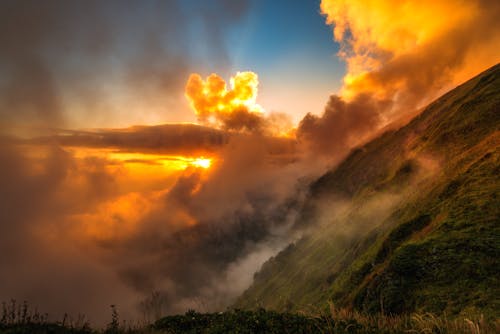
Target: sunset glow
column 168, row 149
column 216, row 105
column 211, row 97
column 202, row 163
column 388, row 43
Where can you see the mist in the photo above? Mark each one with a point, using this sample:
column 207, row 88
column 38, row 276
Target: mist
column 95, row 211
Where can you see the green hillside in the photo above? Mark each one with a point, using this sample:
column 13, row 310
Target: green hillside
column 408, row 222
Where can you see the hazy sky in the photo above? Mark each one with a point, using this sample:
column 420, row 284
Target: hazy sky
column 116, row 63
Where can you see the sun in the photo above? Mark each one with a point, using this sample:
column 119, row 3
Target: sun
column 202, row 163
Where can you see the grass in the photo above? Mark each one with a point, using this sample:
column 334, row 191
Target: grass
column 19, row 319
column 436, row 250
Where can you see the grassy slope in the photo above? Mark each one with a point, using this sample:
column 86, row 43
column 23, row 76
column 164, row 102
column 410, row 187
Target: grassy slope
column 413, row 237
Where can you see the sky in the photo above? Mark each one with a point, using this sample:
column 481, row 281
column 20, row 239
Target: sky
column 164, row 149
column 295, row 48
column 99, row 53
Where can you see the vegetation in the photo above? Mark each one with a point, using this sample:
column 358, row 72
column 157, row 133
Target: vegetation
column 18, row 319
column 410, row 220
column 238, row 321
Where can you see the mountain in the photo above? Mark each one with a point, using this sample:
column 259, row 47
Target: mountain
column 408, row 222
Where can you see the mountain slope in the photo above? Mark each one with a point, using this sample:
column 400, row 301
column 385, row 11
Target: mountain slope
column 408, row 222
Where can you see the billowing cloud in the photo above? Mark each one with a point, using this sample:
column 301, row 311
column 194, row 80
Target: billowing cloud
column 408, row 51
column 342, row 125
column 235, row 108
column 400, row 55
column 232, row 109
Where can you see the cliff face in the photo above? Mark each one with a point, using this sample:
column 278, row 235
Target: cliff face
column 408, row 222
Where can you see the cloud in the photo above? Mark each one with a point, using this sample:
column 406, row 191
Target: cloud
column 230, row 109
column 39, row 260
column 167, row 139
column 185, row 140
column 234, row 109
column 399, row 56
column 210, row 225
column 342, row 125
column 119, row 243
column 407, row 52
column 93, row 64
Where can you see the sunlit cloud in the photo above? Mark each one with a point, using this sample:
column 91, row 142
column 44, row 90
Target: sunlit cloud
column 232, row 109
column 408, row 51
